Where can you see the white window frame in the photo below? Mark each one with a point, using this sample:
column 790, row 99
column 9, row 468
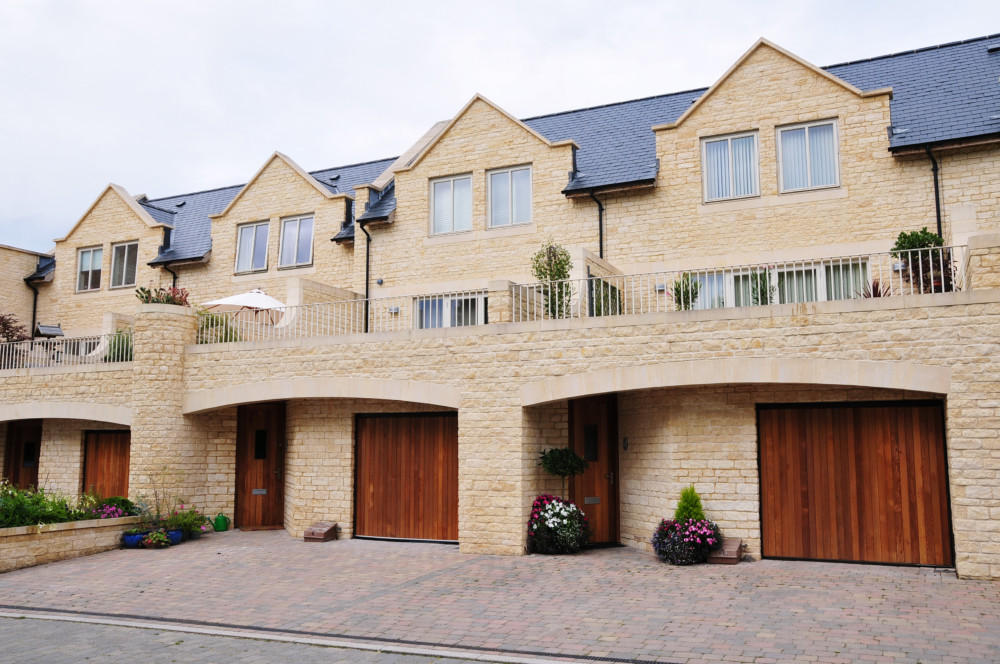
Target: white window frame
column 281, row 241
column 510, row 180
column 809, row 170
column 446, row 317
column 729, row 140
column 79, row 256
column 253, row 246
column 135, row 276
column 431, row 197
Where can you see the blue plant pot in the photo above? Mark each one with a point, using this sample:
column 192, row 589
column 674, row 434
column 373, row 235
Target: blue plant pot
column 132, row 541
column 175, row 536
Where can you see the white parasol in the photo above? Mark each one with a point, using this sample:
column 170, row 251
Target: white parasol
column 255, row 301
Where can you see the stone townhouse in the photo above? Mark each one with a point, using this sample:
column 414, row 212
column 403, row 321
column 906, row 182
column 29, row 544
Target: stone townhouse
column 734, row 318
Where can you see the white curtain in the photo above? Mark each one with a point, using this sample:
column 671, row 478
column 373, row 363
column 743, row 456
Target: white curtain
column 260, row 247
column 794, row 160
column 303, row 252
column 744, row 166
column 244, row 253
column 717, row 169
column 822, row 156
column 463, row 204
column 500, row 199
column 131, row 259
column 797, row 285
column 845, row 281
column 288, row 241
column 522, row 195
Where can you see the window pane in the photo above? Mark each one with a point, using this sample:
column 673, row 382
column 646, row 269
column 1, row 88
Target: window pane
column 717, row 169
column 244, row 252
column 463, row 204
column 83, row 279
column 304, row 252
column 118, row 265
column 822, row 155
column 522, row 195
column 463, row 312
column 96, row 256
column 797, row 286
column 793, row 160
column 442, row 207
column 744, row 166
column 131, row 259
column 845, row 281
column 500, row 199
column 711, row 291
column 288, row 241
column 430, row 313
column 260, row 247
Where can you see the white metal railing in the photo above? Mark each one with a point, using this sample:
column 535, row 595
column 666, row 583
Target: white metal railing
column 889, row 274
column 387, row 314
column 68, row 351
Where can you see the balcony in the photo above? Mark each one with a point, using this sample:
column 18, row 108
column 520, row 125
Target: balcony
column 103, row 349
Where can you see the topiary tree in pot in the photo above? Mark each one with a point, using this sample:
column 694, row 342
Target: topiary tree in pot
column 925, row 264
column 562, row 462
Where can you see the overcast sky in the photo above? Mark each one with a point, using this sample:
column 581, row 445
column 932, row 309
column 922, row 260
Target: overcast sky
column 170, row 97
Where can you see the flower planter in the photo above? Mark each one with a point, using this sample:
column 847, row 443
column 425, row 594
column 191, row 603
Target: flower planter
column 175, row 536
column 133, row 541
column 154, row 545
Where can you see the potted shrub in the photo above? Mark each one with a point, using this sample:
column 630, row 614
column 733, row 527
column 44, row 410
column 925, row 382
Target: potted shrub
column 132, row 538
column 924, row 262
column 156, row 539
column 689, row 537
column 556, row 526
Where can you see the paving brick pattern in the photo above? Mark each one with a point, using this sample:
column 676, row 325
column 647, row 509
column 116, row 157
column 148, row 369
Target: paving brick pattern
column 50, row 642
column 618, row 603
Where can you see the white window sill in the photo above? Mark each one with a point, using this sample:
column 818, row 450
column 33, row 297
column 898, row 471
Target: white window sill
column 488, row 234
column 792, row 197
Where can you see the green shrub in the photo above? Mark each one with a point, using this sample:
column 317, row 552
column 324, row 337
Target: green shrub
column 689, row 506
column 216, row 328
column 556, row 526
column 686, row 290
column 34, row 507
column 124, row 504
column 551, row 266
column 119, row 347
column 926, row 264
column 170, row 295
column 562, row 461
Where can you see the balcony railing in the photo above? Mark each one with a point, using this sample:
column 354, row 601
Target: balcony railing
column 387, row 314
column 890, row 274
column 70, row 351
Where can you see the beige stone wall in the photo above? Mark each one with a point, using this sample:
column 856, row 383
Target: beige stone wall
column 109, row 222
column 15, row 296
column 706, row 436
column 410, row 260
column 28, row 546
column 970, row 200
column 277, row 193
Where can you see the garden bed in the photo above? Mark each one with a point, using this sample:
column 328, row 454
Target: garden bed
column 26, row 546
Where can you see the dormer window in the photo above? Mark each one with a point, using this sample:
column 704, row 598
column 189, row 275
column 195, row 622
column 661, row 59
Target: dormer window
column 124, row 257
column 451, row 204
column 251, row 247
column 88, row 271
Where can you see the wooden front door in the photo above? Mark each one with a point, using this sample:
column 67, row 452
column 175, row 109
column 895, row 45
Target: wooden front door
column 24, row 441
column 593, row 432
column 406, row 483
column 862, row 483
column 260, row 466
column 105, row 463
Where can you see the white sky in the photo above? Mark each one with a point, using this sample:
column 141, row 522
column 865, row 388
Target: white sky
column 170, row 97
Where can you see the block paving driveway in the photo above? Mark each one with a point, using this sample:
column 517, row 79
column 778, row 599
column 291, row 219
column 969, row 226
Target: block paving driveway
column 619, row 604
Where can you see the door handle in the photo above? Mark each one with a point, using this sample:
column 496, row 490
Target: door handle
column 610, row 476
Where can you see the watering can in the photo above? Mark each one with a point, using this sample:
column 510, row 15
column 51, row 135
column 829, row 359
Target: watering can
column 221, row 522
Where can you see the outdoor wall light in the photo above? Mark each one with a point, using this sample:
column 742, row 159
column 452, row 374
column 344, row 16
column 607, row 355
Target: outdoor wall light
column 661, row 288
column 393, row 310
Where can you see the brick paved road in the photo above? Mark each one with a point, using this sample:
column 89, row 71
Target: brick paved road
column 612, row 602
column 50, row 642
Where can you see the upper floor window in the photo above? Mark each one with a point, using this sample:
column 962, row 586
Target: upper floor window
column 251, row 249
column 124, row 257
column 296, row 241
column 451, row 204
column 510, row 196
column 89, row 269
column 807, row 156
column 449, row 311
column 729, row 164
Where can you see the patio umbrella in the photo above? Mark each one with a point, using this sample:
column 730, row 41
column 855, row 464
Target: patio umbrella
column 255, row 301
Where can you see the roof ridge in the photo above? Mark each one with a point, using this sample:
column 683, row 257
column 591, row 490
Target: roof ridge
column 971, row 40
column 360, row 163
column 614, row 103
column 146, row 204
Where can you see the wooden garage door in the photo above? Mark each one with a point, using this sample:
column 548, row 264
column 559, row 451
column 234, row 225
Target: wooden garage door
column 407, row 477
column 105, row 463
column 865, row 483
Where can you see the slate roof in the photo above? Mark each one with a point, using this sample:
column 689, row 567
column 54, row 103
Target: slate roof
column 159, row 214
column 46, row 264
column 940, row 93
column 192, row 235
